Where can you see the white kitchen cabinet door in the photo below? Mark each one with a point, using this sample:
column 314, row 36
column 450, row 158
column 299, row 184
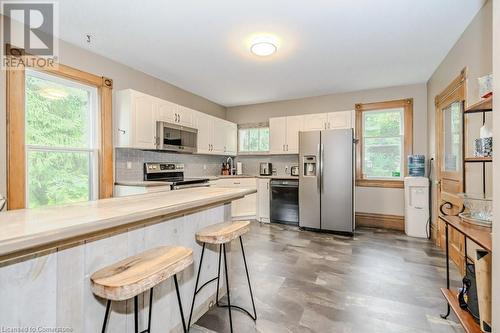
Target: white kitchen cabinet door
column 247, row 206
column 263, row 200
column 315, row 122
column 144, row 109
column 277, row 135
column 184, row 116
column 204, row 124
column 165, row 111
column 231, row 131
column 340, row 120
column 293, row 126
column 219, row 137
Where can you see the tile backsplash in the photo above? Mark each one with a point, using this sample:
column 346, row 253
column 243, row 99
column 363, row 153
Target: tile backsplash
column 281, row 163
column 195, row 165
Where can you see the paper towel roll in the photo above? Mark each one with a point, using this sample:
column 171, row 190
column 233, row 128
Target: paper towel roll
column 239, row 168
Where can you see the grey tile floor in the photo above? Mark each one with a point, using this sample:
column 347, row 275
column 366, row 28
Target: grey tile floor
column 378, row 281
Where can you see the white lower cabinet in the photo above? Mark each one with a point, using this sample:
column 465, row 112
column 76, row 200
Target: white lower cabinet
column 263, row 200
column 247, row 206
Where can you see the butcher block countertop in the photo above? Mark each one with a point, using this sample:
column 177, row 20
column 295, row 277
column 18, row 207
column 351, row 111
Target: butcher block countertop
column 28, row 231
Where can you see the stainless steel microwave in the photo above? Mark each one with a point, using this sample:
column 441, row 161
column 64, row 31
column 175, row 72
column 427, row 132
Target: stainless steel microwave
column 176, row 138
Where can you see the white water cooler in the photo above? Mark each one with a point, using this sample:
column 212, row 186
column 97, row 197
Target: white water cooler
column 417, row 206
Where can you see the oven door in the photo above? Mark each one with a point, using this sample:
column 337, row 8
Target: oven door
column 176, row 138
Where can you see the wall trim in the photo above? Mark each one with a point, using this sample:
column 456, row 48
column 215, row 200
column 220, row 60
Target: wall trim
column 383, row 221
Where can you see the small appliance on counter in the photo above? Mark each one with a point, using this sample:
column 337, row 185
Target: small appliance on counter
column 294, row 171
column 266, row 169
column 173, row 174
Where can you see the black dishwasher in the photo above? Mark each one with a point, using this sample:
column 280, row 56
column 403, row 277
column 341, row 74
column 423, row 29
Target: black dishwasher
column 285, row 201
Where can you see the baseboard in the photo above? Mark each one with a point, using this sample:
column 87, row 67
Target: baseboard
column 383, row 221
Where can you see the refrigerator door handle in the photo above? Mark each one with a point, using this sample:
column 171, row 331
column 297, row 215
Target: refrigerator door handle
column 318, row 174
column 321, row 158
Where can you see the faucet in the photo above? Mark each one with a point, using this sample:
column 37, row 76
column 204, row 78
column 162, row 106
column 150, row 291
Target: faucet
column 229, row 161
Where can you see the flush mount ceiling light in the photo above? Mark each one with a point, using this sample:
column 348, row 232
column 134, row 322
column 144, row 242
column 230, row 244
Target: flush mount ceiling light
column 264, row 46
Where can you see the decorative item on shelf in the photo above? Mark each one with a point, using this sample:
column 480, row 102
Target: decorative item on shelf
column 485, row 86
column 416, row 165
column 484, row 145
column 478, row 210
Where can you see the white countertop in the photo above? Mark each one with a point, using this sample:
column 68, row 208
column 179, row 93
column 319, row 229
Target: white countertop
column 25, row 231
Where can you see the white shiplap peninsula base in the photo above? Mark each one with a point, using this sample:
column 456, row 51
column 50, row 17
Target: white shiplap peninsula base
column 50, row 288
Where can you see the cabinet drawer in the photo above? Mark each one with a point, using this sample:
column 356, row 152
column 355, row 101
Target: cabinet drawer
column 237, row 182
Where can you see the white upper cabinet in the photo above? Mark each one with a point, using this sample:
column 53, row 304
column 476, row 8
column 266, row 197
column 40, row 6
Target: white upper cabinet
column 219, row 137
column 284, row 134
column 184, row 116
column 205, row 126
column 137, row 114
column 277, row 135
column 315, row 122
column 136, row 121
column 231, row 131
column 340, row 120
column 293, row 126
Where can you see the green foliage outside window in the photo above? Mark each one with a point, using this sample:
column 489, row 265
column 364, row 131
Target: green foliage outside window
column 382, row 145
column 57, row 116
column 254, row 139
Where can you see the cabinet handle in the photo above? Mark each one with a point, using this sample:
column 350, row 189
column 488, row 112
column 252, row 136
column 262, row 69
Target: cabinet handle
column 122, row 131
column 179, row 117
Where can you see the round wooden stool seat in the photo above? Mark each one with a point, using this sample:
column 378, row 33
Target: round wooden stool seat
column 134, row 275
column 222, row 232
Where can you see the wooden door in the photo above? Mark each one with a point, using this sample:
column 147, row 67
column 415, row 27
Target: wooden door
column 449, row 168
column 294, row 125
column 277, row 135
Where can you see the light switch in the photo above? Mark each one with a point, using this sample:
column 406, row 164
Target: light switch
column 129, row 165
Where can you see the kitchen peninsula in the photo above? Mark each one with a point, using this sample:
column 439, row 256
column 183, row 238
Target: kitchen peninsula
column 48, row 254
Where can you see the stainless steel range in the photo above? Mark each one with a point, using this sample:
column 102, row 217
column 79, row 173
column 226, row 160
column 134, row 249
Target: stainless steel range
column 173, row 174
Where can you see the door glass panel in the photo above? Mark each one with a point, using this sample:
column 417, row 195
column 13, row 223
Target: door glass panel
column 452, row 137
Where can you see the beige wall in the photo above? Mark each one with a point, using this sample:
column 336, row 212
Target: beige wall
column 123, row 77
column 496, row 170
column 368, row 200
column 474, row 51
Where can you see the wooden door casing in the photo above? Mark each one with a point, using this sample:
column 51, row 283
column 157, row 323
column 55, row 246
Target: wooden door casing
column 449, row 183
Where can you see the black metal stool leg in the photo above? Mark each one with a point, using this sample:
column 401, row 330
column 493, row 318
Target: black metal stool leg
column 218, row 277
column 196, row 286
column 106, row 315
column 227, row 288
column 248, row 279
column 150, row 309
column 136, row 314
column 180, row 303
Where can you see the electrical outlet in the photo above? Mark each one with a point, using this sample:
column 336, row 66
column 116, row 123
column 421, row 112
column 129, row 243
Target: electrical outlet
column 204, row 167
column 129, row 165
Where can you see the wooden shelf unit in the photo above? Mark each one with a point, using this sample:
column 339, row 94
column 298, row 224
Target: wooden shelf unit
column 478, row 159
column 465, row 318
column 480, row 235
column 484, row 105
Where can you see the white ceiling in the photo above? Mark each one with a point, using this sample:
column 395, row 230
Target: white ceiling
column 327, row 46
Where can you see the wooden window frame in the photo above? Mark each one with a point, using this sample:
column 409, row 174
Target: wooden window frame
column 407, row 105
column 16, row 149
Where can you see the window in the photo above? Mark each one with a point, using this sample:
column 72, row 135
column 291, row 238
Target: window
column 385, row 133
column 253, row 138
column 61, row 140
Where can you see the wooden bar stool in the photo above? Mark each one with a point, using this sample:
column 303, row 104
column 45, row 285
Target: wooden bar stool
column 222, row 234
column 134, row 275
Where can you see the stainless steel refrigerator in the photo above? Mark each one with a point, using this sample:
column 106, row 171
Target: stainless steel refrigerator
column 326, row 180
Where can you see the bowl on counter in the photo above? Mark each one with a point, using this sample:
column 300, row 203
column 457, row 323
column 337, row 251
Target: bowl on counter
column 478, row 209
